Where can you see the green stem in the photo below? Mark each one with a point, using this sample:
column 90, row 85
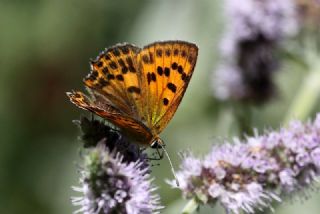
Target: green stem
column 191, row 206
column 307, row 97
column 243, row 116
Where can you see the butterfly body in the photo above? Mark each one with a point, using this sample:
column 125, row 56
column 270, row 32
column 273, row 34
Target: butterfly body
column 139, row 90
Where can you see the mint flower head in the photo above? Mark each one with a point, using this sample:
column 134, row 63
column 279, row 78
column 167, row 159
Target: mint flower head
column 245, row 176
column 254, row 31
column 115, row 176
column 110, row 185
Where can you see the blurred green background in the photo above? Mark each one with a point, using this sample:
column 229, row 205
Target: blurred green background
column 45, row 47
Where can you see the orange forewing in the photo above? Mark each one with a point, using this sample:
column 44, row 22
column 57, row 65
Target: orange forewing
column 114, row 74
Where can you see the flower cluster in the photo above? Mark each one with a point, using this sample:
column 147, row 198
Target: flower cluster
column 255, row 28
column 115, row 177
column 110, row 185
column 244, row 176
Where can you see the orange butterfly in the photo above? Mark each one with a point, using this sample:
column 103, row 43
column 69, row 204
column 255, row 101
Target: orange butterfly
column 139, row 90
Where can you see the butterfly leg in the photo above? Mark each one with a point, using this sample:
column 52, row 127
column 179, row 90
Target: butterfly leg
column 157, row 155
column 160, row 154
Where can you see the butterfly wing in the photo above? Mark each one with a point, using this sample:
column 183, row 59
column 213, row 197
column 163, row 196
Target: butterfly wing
column 166, row 69
column 139, row 90
column 137, row 130
column 114, row 77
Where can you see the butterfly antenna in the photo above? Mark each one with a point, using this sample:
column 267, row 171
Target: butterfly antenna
column 172, row 169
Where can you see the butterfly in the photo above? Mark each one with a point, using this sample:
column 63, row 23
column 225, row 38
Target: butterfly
column 138, row 90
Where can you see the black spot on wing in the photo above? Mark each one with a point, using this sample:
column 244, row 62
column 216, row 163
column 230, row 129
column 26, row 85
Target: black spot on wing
column 110, row 77
column 172, row 87
column 130, row 64
column 103, row 82
column 124, row 68
column 159, row 52
column 165, row 101
column 116, row 52
column 105, row 70
column 168, row 52
column 151, row 58
column 107, row 57
column 180, row 69
column 174, row 66
column 120, row 77
column 99, row 64
column 159, row 70
column 124, row 49
column 167, row 71
column 133, row 89
column 113, row 65
column 184, row 53
column 175, row 52
column 94, row 73
column 121, row 63
column 184, row 76
column 145, row 59
column 151, row 76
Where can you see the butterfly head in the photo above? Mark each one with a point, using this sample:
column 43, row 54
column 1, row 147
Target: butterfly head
column 157, row 143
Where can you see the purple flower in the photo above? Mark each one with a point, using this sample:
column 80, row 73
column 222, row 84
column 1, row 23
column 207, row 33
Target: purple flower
column 254, row 30
column 249, row 175
column 251, row 18
column 110, row 185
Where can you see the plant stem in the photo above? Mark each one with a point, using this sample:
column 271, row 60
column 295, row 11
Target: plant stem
column 307, row 97
column 243, row 116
